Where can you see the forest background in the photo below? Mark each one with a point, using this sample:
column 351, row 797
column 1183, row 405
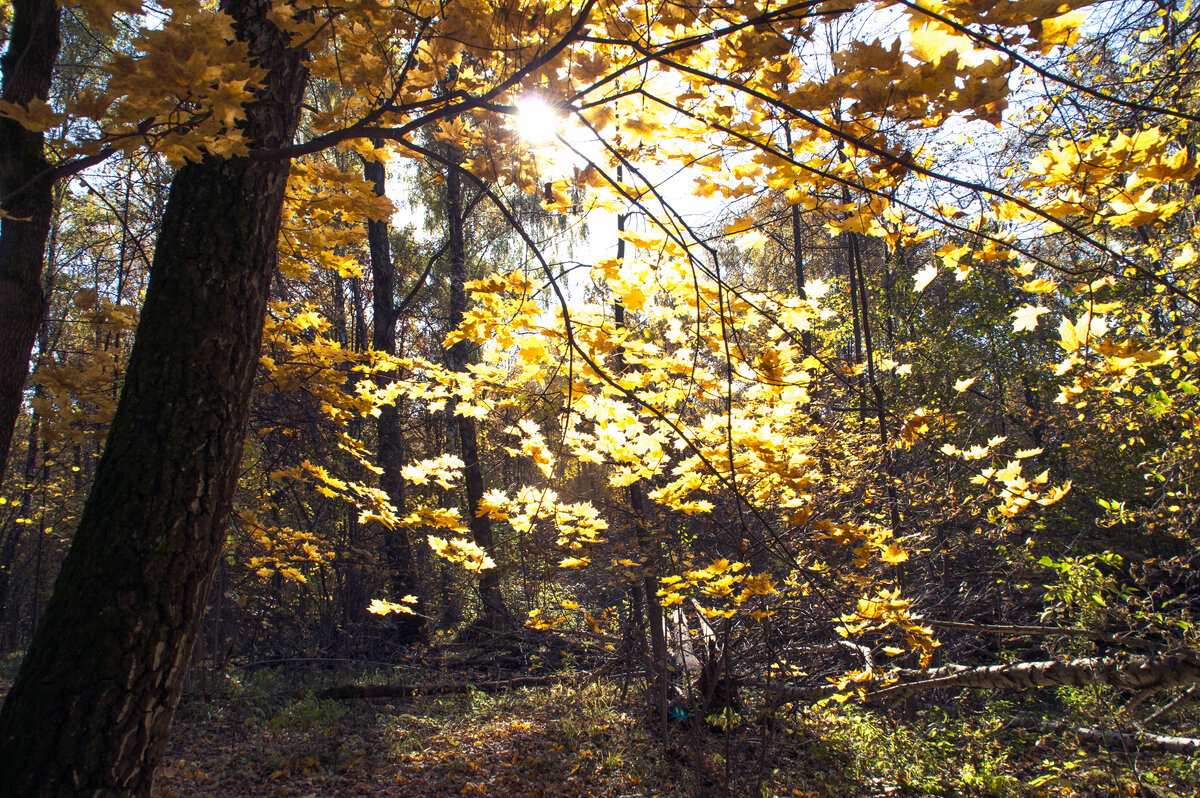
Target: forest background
column 792, row 350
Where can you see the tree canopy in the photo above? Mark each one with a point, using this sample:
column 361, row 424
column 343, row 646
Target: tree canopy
column 807, row 321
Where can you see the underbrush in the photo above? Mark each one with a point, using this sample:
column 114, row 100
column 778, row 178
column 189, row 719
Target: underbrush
column 270, row 734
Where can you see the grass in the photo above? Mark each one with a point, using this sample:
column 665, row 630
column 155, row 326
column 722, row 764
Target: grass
column 266, row 735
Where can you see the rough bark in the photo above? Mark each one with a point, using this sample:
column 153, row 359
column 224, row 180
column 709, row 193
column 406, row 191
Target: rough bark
column 495, row 613
column 26, row 200
column 396, row 544
column 89, row 711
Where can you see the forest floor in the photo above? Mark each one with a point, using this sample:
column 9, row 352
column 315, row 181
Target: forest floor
column 267, row 734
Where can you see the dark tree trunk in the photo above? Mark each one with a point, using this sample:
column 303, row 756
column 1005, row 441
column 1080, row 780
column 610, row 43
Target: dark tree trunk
column 91, row 706
column 391, row 443
column 26, row 200
column 798, row 251
column 876, row 390
column 495, row 614
column 647, row 592
column 11, row 536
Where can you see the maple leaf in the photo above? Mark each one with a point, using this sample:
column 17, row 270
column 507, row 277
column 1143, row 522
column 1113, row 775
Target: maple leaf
column 1039, row 286
column 894, row 553
column 916, row 424
column 932, row 41
column 1141, row 209
column 384, row 607
column 1026, row 317
column 924, row 277
column 1074, row 336
column 1063, row 29
column 463, row 552
column 37, row 116
column 641, row 130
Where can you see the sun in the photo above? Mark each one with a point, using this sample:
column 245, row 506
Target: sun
column 536, row 120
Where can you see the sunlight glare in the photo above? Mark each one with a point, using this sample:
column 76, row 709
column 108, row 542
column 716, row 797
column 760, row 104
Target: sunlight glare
column 536, row 121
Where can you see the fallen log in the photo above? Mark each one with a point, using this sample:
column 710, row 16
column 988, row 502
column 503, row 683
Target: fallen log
column 1128, row 740
column 357, row 691
column 1158, row 670
column 1117, row 640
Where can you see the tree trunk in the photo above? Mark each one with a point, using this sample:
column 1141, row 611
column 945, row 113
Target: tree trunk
column 12, row 535
column 876, row 391
column 798, row 251
column 495, row 614
column 26, row 201
column 383, row 339
column 91, row 706
column 656, row 670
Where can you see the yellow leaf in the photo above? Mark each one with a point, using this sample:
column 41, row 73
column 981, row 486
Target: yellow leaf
column 1141, row 209
column 894, row 553
column 1026, row 317
column 925, row 277
column 932, row 40
column 633, row 298
column 38, row 116
column 1068, row 339
column 462, row 551
column 1055, row 494
column 914, row 425
column 741, row 225
column 383, row 607
column 1058, row 30
column 610, row 268
column 1039, row 286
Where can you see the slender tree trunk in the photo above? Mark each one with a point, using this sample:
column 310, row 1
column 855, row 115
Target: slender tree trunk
column 495, row 614
column 852, row 270
column 876, row 390
column 89, row 711
column 26, row 199
column 15, row 531
column 798, row 251
column 402, row 572
column 656, row 682
column 889, row 284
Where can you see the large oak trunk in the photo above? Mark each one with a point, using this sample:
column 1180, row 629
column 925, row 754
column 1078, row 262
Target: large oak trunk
column 89, row 711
